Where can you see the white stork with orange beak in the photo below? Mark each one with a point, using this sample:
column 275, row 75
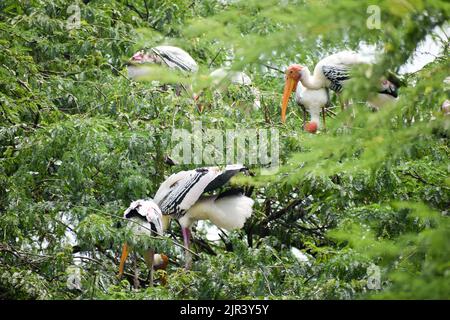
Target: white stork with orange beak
column 329, row 73
column 313, row 101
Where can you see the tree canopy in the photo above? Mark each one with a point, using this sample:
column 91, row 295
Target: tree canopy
column 358, row 211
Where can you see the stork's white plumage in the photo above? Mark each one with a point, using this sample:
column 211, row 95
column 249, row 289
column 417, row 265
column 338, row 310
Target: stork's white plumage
column 149, row 216
column 181, row 197
column 146, row 219
column 226, row 211
column 173, row 57
column 314, row 102
column 332, row 71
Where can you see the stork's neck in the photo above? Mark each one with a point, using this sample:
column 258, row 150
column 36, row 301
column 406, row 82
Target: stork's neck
column 310, row 81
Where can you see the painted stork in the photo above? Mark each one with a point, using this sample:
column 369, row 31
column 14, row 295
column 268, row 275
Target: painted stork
column 237, row 78
column 312, row 100
column 330, row 72
column 146, row 219
column 173, row 57
column 181, row 196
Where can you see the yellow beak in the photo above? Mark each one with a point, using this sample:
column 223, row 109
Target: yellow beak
column 123, row 258
column 288, row 88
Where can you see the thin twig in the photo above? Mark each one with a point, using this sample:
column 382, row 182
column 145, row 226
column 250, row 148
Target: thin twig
column 416, row 176
column 273, row 68
column 215, row 57
column 120, row 73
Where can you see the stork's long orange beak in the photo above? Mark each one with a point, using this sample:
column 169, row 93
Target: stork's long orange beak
column 123, row 258
column 289, row 86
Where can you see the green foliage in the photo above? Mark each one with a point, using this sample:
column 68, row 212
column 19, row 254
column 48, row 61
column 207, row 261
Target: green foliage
column 79, row 141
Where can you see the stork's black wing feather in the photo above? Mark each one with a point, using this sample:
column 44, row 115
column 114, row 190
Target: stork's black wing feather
column 173, row 200
column 230, row 192
column 337, row 75
column 223, row 178
column 181, row 190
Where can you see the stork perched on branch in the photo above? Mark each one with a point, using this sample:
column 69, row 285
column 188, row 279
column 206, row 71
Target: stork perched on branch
column 312, row 94
column 331, row 73
column 182, row 197
column 313, row 101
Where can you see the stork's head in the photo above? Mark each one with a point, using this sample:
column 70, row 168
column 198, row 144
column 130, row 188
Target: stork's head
column 293, row 75
column 147, row 211
column 147, row 219
column 138, row 56
column 389, row 88
column 142, row 57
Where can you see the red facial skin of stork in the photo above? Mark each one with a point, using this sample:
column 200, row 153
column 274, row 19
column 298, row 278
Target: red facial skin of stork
column 138, row 56
column 141, row 57
column 292, row 79
column 311, row 127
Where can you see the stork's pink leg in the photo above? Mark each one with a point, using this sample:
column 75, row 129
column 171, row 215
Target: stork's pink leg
column 186, row 238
